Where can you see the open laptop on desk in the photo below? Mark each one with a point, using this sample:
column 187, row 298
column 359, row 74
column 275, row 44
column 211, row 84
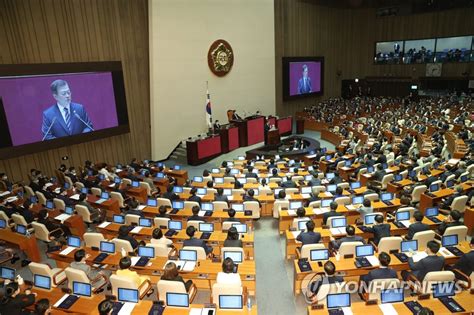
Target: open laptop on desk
column 402, row 219
column 444, row 292
column 68, row 212
column 238, row 207
column 106, row 248
column 73, row 242
column 177, row 205
column 78, row 289
column 319, row 255
column 391, row 296
column 363, row 254
column 449, row 242
column 118, row 219
column 354, row 186
column 206, row 229
column 231, row 302
column 104, row 196
column 145, row 222
column 206, row 209
column 127, row 299
column 357, row 202
column 145, row 253
column 305, row 192
column 241, row 228
column 336, row 303
column 236, row 257
column 151, row 202
column 338, row 226
column 432, row 213
column 42, row 282
column 406, row 247
column 387, row 198
column 7, row 273
column 173, row 228
column 3, row 224
column 177, row 300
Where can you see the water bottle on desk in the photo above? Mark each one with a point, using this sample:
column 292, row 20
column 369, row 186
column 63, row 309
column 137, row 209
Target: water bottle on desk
column 249, row 303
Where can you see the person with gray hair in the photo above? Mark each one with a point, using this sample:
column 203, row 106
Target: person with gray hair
column 304, row 83
column 64, row 118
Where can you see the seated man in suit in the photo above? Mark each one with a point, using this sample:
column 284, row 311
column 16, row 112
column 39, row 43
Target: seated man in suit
column 51, row 225
column 250, row 173
column 417, row 226
column 195, row 217
column 64, row 118
column 79, row 263
column 25, row 211
column 336, row 180
column 220, row 196
column 162, row 212
column 169, row 194
column 123, row 235
column 124, row 271
column 453, row 219
column 328, row 278
column 288, row 183
column 449, row 200
column 379, row 174
column 379, row 230
column 190, row 231
column 250, row 197
column 332, row 213
column 351, row 237
column 133, row 208
column 193, row 196
column 309, row 237
column 466, row 263
column 95, row 213
column 383, row 272
column 430, row 263
column 231, row 218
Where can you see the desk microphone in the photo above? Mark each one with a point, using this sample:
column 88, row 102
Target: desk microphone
column 49, row 129
column 79, row 117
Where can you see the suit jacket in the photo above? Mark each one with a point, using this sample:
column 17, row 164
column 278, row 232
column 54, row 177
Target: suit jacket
column 221, row 198
column 466, row 263
column 304, row 88
column 171, row 196
column 53, row 118
column 233, row 243
column 328, row 215
column 198, row 243
column 91, row 273
column 381, row 273
column 195, row 198
column 425, row 265
column 129, row 238
column 309, row 237
column 443, row 226
column 15, row 306
column 379, row 231
column 416, row 227
column 288, row 184
column 196, row 218
column 354, row 238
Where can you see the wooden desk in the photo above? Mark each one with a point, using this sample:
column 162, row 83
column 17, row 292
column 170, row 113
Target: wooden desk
column 331, row 137
column 111, row 205
column 180, row 175
column 273, row 137
column 396, row 187
column 428, row 201
column 75, row 223
column 26, row 244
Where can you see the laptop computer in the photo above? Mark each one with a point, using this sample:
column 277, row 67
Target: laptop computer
column 335, row 302
column 160, row 175
column 3, row 224
column 362, row 251
column 206, row 229
column 177, row 300
column 357, row 200
column 146, row 253
column 227, row 192
column 177, row 205
column 42, row 282
column 330, row 176
column 84, row 190
column 197, row 179
column 406, row 247
column 238, row 207
column 450, row 242
column 78, row 289
column 201, row 191
column 188, row 255
column 450, row 183
column 319, row 254
column 177, row 167
column 173, row 228
column 387, row 198
column 434, row 188
column 369, row 219
column 295, row 205
column 402, row 219
column 231, row 302
column 207, row 207
column 354, row 186
column 331, row 188
column 432, row 213
column 106, row 248
column 49, row 204
column 152, row 203
column 215, row 171
column 7, row 273
column 125, row 296
column 338, row 226
column 178, row 189
column 135, row 184
column 21, row 229
column 235, row 256
column 391, row 296
column 119, row 219
column 302, row 225
column 145, row 222
column 241, row 228
column 219, row 180
column 444, row 292
column 397, row 177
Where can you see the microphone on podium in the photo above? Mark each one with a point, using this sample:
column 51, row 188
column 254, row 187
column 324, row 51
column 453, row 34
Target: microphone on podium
column 49, row 129
column 79, row 117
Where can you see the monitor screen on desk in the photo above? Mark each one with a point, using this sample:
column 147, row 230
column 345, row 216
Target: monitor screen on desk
column 357, row 200
column 84, row 190
column 215, row 171
column 73, row 241
column 234, row 255
column 326, row 203
column 302, row 225
column 3, row 224
column 42, row 282
column 219, row 180
column 331, row 188
column 197, row 179
column 391, row 296
column 407, row 246
column 295, row 205
column 238, row 207
column 338, row 222
column 206, row 227
column 160, row 175
column 386, row 196
column 175, row 225
column 105, row 195
column 177, row 299
column 319, row 254
column 178, row 205
column 152, row 203
column 135, row 184
column 69, row 210
column 434, row 187
column 369, row 219
column 242, row 180
column 201, row 191
column 364, row 250
column 107, row 247
column 177, row 189
column 449, row 240
column 145, row 222
column 7, row 273
column 186, row 254
column 338, row 300
column 81, row 288
column 207, row 206
column 128, row 295
column 227, row 192
column 146, row 251
column 330, row 176
column 119, row 219
column 444, row 289
column 241, row 228
column 234, row 171
column 230, row 302
column 402, row 215
column 117, row 180
column 355, row 185
column 431, row 212
column 21, row 229
column 49, row 204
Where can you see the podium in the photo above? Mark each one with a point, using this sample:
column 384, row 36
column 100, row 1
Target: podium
column 273, row 137
column 250, row 130
column 300, row 126
column 229, row 138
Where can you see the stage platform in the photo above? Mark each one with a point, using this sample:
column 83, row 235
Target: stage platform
column 284, row 149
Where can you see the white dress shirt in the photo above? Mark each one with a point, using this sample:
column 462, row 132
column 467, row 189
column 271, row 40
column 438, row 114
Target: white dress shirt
column 229, row 278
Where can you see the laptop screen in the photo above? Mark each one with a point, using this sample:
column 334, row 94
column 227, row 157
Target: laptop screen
column 81, row 288
column 319, row 254
column 197, row 179
column 242, row 180
column 332, row 188
column 117, row 180
column 146, row 251
column 238, row 207
column 449, row 240
column 49, row 204
column 107, row 247
column 206, row 227
column 277, row 191
column 42, row 282
column 84, row 190
column 434, row 187
column 101, row 176
column 201, row 191
column 406, row 246
column 338, row 300
column 431, row 212
column 302, row 225
column 306, row 190
column 348, row 163
column 370, row 169
column 119, row 219
column 308, row 177
column 391, row 296
column 175, row 225
column 295, row 205
column 444, row 289
column 128, row 295
column 178, row 205
column 177, row 167
column 151, row 202
column 21, row 229
column 3, row 224
column 160, row 175
column 369, row 219
column 145, row 222
column 338, row 222
column 105, row 195
column 241, row 228
column 330, row 176
column 384, row 165
column 402, row 215
column 68, row 210
column 386, row 197
column 326, row 203
column 235, row 256
column 357, row 200
column 73, row 241
column 355, row 185
column 215, row 171
column 463, row 179
column 397, row 177
column 67, row 186
column 7, row 273
column 450, row 183
column 207, row 206
column 177, row 189
column 234, row 171
column 227, row 192
column 186, row 254
column 219, row 180
column 230, row 302
column 177, row 299
column 34, row 199
column 364, row 250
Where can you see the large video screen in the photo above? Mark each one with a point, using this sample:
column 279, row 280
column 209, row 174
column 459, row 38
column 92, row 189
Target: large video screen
column 419, row 51
column 302, row 76
column 61, row 108
column 453, row 49
column 388, row 52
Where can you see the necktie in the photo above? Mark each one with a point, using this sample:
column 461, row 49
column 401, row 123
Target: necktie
column 68, row 119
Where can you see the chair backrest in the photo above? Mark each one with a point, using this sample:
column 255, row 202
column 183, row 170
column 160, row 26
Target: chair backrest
column 274, row 180
column 29, row 192
column 117, row 196
column 161, row 250
column 386, row 179
column 41, row 198
column 344, row 185
column 330, row 219
column 147, row 187
column 387, row 244
column 190, row 204
column 19, row 219
column 417, row 191
column 201, row 253
column 343, row 200
column 434, row 277
column 4, row 216
column 220, row 205
column 41, row 269
column 119, row 244
column 297, row 178
column 41, row 232
column 376, row 286
column 165, row 286
column 239, row 191
column 121, row 282
column 289, row 191
column 68, row 180
column 96, row 191
column 296, row 221
column 306, row 249
column 77, row 275
column 224, row 289
column 228, row 180
column 459, row 203
column 361, row 172
column 371, row 197
column 158, row 222
column 59, row 204
column 131, row 218
column 84, row 213
column 93, row 239
column 423, row 238
column 348, row 248
column 251, row 180
column 315, row 204
column 193, row 223
column 410, row 209
column 265, row 191
column 277, row 205
column 163, row 202
column 79, row 185
column 460, row 231
column 254, row 207
column 226, row 225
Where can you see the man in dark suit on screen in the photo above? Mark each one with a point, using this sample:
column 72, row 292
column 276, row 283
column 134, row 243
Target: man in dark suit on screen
column 64, row 118
column 304, row 84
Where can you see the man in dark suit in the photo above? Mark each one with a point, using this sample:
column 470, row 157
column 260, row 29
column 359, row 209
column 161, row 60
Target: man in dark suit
column 220, row 196
column 123, row 235
column 169, row 194
column 452, row 220
column 95, row 213
column 466, row 263
column 430, row 263
column 190, row 231
column 332, row 213
column 231, row 218
column 64, row 118
column 351, row 237
column 133, row 209
column 336, row 179
column 193, row 196
column 250, row 197
column 383, row 272
column 449, row 200
column 417, row 226
column 380, row 229
column 304, row 83
column 329, row 278
column 250, row 173
column 379, row 174
column 195, row 217
column 309, row 237
column 288, row 183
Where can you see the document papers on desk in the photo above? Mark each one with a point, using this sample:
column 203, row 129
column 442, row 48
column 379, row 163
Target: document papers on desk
column 103, row 225
column 347, row 310
column 201, row 311
column 291, row 212
column 419, row 256
column 446, row 253
column 65, row 296
column 67, row 250
column 406, row 223
column 141, row 207
column 62, row 217
column 136, row 229
column 74, row 197
column 101, row 201
column 387, row 309
column 374, row 261
column 321, row 210
column 183, row 265
column 127, row 308
column 306, row 196
column 338, row 231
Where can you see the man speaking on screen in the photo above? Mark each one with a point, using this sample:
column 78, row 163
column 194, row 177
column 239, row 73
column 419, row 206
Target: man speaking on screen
column 64, row 118
column 304, row 84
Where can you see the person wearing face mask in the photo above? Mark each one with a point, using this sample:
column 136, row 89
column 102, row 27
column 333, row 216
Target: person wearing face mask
column 5, row 184
column 50, row 225
column 71, row 172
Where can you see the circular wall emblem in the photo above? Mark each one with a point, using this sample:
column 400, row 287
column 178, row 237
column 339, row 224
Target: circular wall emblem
column 220, row 57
